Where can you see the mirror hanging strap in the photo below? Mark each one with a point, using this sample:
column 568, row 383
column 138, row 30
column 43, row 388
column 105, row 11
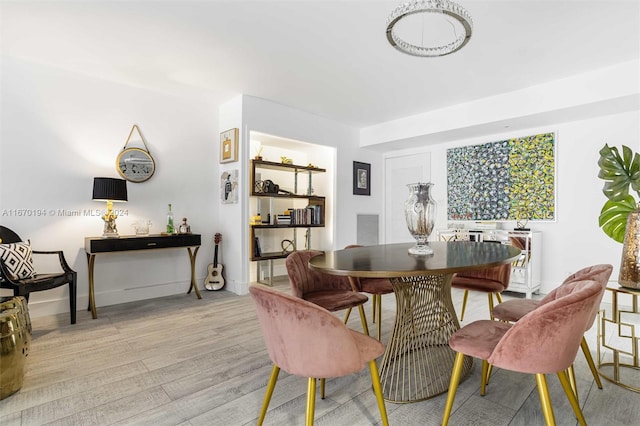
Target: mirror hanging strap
column 136, row 128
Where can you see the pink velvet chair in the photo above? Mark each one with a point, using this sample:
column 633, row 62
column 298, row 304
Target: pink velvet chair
column 513, row 310
column 493, row 280
column 375, row 287
column 332, row 292
column 544, row 341
column 306, row 340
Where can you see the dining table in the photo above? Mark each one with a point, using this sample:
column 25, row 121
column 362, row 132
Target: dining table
column 417, row 361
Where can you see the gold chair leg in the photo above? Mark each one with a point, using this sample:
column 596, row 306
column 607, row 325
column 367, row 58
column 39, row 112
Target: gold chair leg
column 490, row 298
column 322, row 388
column 453, row 387
column 267, row 396
column 379, row 315
column 545, row 401
column 363, row 319
column 346, row 315
column 592, row 366
column 464, row 304
column 499, row 297
column 374, row 303
column 571, row 373
column 377, row 389
column 484, row 377
column 489, row 370
column 564, row 381
column 311, row 401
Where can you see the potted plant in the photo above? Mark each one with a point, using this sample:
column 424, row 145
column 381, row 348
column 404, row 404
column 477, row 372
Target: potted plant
column 620, row 215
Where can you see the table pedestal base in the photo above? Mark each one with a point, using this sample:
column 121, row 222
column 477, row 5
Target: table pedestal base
column 417, row 362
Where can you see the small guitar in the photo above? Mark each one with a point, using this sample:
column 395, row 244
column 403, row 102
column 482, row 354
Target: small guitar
column 214, row 280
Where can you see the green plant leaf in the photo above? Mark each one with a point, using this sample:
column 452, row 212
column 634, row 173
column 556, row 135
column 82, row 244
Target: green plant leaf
column 613, row 217
column 619, row 172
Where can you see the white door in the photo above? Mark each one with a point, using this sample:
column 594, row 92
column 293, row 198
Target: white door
column 400, row 171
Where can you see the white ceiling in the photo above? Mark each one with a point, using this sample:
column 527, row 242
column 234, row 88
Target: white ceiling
column 330, row 58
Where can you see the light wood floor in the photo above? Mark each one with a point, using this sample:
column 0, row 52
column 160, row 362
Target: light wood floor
column 182, row 361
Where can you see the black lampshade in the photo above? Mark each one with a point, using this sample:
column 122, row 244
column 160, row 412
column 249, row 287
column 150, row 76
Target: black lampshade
column 109, row 189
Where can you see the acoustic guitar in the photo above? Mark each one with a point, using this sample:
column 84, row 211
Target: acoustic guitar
column 214, row 280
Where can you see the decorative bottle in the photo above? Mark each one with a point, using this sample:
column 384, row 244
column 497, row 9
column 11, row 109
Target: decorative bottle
column 170, row 228
column 420, row 212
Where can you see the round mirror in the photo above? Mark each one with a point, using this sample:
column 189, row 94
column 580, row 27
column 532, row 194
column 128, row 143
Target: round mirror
column 135, row 165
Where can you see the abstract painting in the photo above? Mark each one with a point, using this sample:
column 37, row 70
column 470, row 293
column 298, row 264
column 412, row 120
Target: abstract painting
column 512, row 179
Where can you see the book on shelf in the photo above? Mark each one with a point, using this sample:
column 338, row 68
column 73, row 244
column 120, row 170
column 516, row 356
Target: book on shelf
column 284, row 219
column 257, row 251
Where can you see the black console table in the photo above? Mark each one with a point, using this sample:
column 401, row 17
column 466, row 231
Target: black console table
column 96, row 245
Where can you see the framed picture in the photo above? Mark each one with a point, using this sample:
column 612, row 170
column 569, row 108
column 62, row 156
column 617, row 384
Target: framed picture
column 229, row 187
column 361, row 178
column 508, row 180
column 229, row 146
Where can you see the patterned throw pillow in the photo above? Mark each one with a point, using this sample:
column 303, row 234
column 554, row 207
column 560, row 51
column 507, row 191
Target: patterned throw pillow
column 17, row 259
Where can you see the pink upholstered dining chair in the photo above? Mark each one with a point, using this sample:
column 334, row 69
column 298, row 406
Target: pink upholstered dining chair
column 306, row 340
column 493, row 280
column 376, row 287
column 544, row 341
column 332, row 292
column 513, row 310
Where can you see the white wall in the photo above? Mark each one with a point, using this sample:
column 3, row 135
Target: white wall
column 574, row 240
column 59, row 130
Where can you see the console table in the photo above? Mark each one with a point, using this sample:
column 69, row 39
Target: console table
column 97, row 245
column 526, row 271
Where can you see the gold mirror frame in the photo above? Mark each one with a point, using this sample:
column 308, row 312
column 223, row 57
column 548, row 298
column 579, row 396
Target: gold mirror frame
column 135, row 164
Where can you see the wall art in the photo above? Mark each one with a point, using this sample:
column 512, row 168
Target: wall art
column 229, row 146
column 229, row 187
column 512, row 179
column 361, row 178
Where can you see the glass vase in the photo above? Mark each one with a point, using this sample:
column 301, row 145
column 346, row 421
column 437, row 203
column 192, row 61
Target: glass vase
column 420, row 212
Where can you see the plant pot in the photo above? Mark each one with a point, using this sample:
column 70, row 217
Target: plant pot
column 630, row 265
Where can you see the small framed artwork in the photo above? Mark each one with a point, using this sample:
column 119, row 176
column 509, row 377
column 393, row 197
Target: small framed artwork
column 229, row 146
column 361, row 178
column 229, row 187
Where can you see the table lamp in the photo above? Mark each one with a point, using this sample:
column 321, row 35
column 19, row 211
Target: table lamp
column 109, row 190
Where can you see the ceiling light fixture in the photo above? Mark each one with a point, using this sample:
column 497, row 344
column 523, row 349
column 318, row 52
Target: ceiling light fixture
column 442, row 8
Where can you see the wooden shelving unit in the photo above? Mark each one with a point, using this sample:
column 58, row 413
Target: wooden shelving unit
column 257, row 192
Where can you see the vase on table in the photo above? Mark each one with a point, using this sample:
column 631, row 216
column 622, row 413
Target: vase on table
column 630, row 266
column 420, row 212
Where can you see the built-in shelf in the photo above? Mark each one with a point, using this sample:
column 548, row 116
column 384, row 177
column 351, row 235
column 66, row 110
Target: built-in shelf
column 307, row 219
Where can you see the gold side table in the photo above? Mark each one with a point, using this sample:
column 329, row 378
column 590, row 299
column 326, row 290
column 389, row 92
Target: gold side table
column 624, row 318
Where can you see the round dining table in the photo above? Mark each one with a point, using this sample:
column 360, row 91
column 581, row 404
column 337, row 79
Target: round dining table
column 417, row 361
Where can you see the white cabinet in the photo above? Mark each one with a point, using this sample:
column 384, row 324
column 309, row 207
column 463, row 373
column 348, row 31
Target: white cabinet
column 525, row 274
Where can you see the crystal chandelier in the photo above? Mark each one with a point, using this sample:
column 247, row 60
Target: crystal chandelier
column 445, row 8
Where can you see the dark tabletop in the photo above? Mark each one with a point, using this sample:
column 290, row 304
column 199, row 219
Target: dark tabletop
column 394, row 260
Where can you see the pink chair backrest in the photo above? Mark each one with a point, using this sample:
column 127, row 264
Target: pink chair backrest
column 303, row 338
column 501, row 273
column 598, row 273
column 304, row 280
column 547, row 339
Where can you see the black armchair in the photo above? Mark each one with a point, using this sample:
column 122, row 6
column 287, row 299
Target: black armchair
column 38, row 282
